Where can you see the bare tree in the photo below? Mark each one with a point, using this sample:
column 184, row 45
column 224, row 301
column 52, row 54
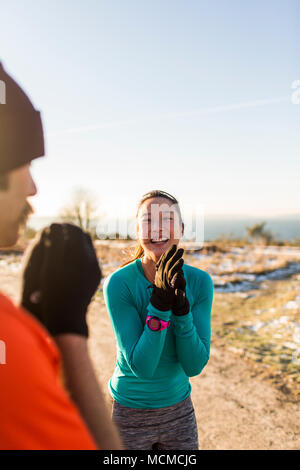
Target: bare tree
column 82, row 209
column 258, row 233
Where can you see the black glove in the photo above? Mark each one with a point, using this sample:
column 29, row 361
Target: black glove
column 61, row 276
column 181, row 304
column 166, row 268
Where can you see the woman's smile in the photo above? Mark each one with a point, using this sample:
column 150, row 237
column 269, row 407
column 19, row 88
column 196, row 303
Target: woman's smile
column 159, row 242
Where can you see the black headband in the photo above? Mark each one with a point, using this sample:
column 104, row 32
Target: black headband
column 158, row 193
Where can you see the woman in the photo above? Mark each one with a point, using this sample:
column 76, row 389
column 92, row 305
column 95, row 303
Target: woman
column 160, row 310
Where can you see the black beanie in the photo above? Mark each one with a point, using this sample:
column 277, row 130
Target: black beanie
column 21, row 130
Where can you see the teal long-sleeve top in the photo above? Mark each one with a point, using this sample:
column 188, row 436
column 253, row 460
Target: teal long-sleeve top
column 153, row 367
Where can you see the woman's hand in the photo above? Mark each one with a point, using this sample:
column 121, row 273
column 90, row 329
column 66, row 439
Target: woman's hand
column 175, row 280
column 168, row 266
column 60, row 278
column 181, row 304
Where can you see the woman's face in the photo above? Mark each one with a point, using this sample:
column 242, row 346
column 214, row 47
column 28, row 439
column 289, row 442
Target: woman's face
column 158, row 226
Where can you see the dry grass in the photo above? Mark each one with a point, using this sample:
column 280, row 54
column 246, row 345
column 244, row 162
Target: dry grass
column 263, row 328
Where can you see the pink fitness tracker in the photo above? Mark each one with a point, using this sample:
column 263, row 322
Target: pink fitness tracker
column 156, row 324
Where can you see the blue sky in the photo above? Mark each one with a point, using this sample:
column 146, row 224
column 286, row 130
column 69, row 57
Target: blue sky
column 192, row 97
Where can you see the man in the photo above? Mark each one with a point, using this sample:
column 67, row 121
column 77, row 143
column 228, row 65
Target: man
column 50, row 337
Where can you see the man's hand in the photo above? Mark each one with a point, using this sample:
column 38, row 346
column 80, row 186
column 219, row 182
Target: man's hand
column 60, row 278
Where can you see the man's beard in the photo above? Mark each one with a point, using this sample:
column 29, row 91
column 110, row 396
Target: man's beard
column 27, row 211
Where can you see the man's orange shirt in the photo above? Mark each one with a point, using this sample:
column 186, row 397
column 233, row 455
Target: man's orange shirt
column 35, row 410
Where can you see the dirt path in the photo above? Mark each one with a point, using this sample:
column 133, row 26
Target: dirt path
column 235, row 408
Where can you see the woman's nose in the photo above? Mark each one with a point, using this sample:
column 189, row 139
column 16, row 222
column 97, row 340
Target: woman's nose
column 156, row 227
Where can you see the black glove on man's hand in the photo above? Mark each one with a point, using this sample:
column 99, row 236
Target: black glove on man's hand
column 181, row 304
column 61, row 276
column 168, row 265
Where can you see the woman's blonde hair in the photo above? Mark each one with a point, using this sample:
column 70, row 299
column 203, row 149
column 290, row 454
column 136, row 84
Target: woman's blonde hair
column 139, row 251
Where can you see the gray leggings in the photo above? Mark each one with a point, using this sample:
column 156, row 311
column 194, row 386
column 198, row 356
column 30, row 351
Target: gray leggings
column 173, row 427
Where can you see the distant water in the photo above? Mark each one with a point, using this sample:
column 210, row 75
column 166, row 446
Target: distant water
column 282, row 228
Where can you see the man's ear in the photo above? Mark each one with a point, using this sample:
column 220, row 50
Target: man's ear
column 182, row 229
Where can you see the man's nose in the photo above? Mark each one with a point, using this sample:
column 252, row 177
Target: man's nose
column 32, row 189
